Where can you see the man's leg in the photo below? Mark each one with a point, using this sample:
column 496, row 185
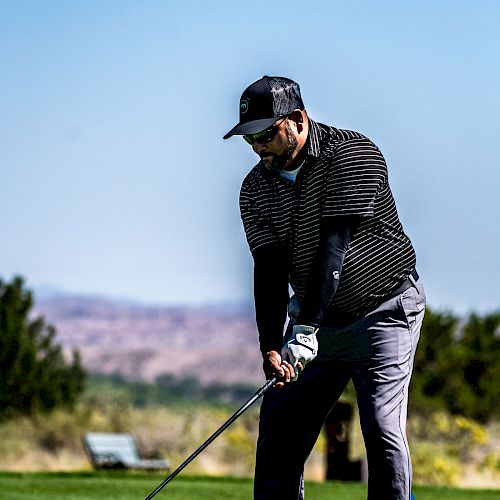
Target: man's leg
column 290, row 422
column 381, row 380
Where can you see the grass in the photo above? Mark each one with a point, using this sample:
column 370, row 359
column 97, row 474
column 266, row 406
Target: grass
column 128, row 486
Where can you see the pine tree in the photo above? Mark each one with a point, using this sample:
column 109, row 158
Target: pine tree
column 34, row 374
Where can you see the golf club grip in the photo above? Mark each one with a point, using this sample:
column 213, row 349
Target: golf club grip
column 270, row 383
column 259, row 393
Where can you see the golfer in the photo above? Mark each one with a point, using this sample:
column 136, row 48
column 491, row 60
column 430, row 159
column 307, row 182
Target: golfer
column 320, row 219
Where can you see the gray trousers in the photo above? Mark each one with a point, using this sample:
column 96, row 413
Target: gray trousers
column 377, row 353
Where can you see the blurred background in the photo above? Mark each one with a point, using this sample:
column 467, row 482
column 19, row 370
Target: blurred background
column 119, row 206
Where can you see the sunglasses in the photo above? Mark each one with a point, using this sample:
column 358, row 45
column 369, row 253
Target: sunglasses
column 264, row 136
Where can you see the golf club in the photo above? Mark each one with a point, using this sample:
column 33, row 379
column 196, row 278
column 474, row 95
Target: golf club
column 260, row 392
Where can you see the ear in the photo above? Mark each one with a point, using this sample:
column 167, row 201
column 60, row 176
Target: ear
column 297, row 116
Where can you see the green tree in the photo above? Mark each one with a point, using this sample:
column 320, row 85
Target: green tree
column 457, row 367
column 34, row 374
column 433, row 361
column 477, row 369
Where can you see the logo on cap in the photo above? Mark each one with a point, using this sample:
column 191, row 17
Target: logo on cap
column 244, row 105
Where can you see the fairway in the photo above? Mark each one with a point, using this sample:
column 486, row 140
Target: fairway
column 128, row 486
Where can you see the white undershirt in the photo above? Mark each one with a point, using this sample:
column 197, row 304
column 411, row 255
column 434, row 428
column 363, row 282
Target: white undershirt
column 291, row 175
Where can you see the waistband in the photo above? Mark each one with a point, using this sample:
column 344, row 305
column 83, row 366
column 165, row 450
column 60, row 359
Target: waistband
column 407, row 283
column 341, row 319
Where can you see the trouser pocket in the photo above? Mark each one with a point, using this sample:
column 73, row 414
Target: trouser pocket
column 413, row 303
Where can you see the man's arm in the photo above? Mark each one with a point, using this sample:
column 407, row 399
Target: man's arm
column 271, row 302
column 336, row 235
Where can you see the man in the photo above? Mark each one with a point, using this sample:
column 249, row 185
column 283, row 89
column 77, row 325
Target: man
column 319, row 217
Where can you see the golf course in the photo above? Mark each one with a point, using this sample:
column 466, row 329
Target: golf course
column 134, row 486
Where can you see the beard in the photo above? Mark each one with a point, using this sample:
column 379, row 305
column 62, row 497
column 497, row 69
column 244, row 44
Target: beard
column 278, row 162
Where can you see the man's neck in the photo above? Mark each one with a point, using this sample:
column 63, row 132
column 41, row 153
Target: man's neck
column 299, row 158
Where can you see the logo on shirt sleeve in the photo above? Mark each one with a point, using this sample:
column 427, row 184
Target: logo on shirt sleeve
column 336, row 275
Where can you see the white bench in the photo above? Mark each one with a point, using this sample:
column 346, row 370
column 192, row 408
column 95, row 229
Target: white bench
column 113, row 451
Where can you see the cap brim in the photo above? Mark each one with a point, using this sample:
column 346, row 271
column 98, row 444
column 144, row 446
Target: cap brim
column 252, row 127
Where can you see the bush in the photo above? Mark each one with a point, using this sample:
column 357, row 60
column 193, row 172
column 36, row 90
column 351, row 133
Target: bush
column 442, row 444
column 433, row 466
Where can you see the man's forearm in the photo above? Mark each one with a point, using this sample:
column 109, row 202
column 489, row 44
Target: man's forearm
column 271, row 295
column 336, row 235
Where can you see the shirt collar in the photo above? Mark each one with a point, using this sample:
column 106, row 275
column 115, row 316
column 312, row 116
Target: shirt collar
column 314, row 138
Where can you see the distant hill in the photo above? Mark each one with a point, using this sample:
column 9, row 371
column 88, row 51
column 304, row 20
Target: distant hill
column 212, row 343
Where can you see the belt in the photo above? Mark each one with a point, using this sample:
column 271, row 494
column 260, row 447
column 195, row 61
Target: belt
column 407, row 283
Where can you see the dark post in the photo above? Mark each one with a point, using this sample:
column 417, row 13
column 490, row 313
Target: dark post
column 338, row 430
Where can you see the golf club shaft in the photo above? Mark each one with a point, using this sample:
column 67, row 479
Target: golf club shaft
column 270, row 383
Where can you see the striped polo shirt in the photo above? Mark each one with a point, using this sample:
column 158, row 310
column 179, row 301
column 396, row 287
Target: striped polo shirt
column 344, row 174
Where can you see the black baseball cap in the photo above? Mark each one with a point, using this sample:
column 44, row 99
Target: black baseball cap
column 264, row 102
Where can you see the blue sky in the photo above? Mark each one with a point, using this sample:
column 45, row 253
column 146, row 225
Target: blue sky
column 114, row 176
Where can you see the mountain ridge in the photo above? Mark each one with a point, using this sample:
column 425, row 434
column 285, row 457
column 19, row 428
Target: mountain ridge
column 214, row 343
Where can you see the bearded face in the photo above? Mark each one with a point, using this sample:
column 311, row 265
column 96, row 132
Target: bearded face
column 281, row 153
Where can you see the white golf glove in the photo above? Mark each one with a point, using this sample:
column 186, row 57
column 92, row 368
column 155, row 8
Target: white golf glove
column 301, row 346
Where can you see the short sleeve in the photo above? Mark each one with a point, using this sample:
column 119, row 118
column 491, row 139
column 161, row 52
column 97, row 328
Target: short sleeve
column 255, row 222
column 357, row 173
